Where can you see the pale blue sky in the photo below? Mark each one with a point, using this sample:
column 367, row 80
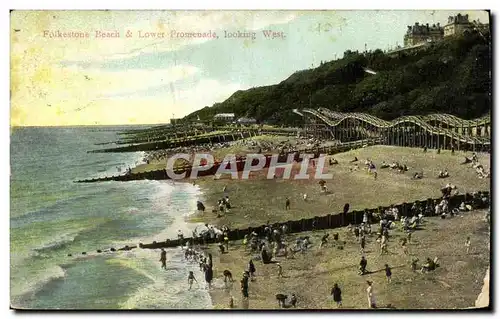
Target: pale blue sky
column 221, row 66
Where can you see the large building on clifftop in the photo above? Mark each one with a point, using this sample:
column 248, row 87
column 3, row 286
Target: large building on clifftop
column 421, row 33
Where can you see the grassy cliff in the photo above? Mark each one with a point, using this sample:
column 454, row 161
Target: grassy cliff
column 452, row 76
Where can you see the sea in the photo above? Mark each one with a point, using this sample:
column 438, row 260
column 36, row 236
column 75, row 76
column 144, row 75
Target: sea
column 52, row 217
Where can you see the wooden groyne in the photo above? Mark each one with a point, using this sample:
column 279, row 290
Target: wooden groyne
column 190, row 141
column 330, row 221
column 162, row 174
column 158, row 143
column 187, row 169
column 159, row 136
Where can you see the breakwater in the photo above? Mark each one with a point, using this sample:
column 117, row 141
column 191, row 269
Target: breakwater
column 157, row 143
column 189, row 141
column 162, row 174
column 188, row 132
column 330, row 221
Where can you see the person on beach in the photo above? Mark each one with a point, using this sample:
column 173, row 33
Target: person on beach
column 293, row 300
column 467, row 245
column 244, row 286
column 414, row 262
column 287, row 203
column 383, row 245
column 280, row 270
column 227, row 203
column 404, row 246
column 371, row 295
column 226, row 241
column 363, row 242
column 324, row 240
column 163, row 259
column 251, row 269
column 388, row 273
column 227, row 276
column 190, row 279
column 346, row 208
column 337, row 295
column 209, row 273
column 362, row 265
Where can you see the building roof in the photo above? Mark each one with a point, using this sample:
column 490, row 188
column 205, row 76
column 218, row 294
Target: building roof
column 246, row 119
column 224, row 115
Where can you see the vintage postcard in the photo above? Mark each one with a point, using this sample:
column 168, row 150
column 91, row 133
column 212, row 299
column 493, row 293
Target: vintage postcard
column 335, row 160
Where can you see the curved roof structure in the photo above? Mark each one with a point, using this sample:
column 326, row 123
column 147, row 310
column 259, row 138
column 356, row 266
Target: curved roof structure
column 334, row 119
column 448, row 119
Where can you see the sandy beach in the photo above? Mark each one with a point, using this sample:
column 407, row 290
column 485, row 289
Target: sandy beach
column 256, row 201
column 456, row 284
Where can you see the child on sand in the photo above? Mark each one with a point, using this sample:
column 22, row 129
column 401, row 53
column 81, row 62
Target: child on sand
column 467, row 245
column 280, row 270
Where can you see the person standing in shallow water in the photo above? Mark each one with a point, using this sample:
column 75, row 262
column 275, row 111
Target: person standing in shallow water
column 190, row 279
column 209, row 273
column 163, row 259
column 287, row 203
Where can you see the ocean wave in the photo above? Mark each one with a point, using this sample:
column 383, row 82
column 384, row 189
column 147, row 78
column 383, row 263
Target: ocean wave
column 49, row 211
column 57, row 242
column 176, row 202
column 24, row 292
column 177, row 296
column 130, row 160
